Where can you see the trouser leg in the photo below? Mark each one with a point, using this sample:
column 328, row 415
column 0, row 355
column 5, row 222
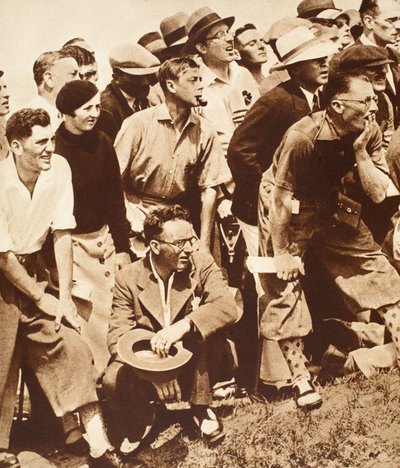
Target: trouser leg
column 8, row 401
column 391, row 317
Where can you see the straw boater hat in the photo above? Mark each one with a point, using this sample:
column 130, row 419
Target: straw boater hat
column 133, row 59
column 153, row 42
column 199, row 23
column 300, row 45
column 134, row 349
column 173, row 29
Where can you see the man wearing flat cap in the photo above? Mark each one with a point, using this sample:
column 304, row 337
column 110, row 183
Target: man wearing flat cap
column 381, row 22
column 134, row 70
column 180, row 294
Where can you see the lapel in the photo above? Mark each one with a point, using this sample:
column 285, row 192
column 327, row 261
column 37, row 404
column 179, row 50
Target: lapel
column 299, row 101
column 126, row 108
column 183, row 286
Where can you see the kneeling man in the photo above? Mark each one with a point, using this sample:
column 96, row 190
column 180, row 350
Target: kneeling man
column 179, row 294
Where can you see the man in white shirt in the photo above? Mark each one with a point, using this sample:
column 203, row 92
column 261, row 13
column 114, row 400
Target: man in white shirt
column 36, row 196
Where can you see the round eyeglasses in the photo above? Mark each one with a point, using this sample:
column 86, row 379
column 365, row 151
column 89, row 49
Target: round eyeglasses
column 366, row 102
column 181, row 243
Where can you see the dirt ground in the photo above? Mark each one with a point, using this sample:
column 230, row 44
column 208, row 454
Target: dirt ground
column 358, row 425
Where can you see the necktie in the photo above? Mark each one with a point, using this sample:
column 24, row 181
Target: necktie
column 315, row 106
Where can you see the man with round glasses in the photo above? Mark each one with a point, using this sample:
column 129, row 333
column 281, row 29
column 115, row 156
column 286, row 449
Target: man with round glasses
column 180, row 294
column 306, row 203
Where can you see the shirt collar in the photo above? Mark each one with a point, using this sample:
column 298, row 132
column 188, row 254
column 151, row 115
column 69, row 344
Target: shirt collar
column 327, row 130
column 366, row 41
column 162, row 114
column 209, row 76
column 309, row 96
column 129, row 99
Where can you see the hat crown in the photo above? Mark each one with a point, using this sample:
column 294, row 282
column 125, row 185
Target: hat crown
column 283, row 26
column 293, row 40
column 153, row 42
column 131, row 55
column 360, row 55
column 307, row 8
column 199, row 18
column 173, row 27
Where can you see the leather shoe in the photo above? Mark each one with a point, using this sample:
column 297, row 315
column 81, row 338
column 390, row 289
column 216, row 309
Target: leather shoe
column 342, row 335
column 133, row 462
column 307, row 398
column 207, row 425
column 8, row 460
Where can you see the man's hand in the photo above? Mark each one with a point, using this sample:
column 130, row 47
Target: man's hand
column 67, row 309
column 288, row 267
column 225, row 208
column 121, row 259
column 165, row 338
column 361, row 142
column 168, row 391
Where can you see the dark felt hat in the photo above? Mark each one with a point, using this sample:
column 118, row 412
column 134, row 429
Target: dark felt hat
column 311, row 8
column 153, row 42
column 75, row 94
column 173, row 29
column 363, row 56
column 134, row 349
column 199, row 23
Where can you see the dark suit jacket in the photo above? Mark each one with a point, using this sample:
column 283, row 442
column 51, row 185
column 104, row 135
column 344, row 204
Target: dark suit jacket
column 137, row 302
column 113, row 101
column 255, row 140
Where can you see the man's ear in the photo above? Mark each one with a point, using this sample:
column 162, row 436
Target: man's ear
column 170, row 85
column 154, row 247
column 337, row 106
column 17, row 147
column 201, row 48
column 48, row 79
column 368, row 22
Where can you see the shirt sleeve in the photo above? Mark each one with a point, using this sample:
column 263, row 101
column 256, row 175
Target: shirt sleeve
column 126, row 143
column 215, row 170
column 6, row 242
column 63, row 214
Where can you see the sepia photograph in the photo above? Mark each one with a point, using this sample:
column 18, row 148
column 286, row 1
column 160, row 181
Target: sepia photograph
column 200, row 234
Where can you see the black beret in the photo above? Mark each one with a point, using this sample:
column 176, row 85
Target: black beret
column 75, row 94
column 363, row 56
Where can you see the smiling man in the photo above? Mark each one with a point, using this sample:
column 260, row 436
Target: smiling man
column 180, row 294
column 303, row 205
column 167, row 152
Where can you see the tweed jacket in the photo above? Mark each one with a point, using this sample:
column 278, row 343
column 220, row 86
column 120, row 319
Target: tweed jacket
column 199, row 292
column 255, row 140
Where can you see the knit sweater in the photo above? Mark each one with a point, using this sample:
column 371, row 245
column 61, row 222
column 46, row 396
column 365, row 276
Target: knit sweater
column 96, row 180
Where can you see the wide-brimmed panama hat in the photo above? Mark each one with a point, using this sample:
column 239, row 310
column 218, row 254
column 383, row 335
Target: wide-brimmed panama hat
column 134, row 349
column 283, row 26
column 199, row 22
column 133, row 59
column 300, row 45
column 173, row 29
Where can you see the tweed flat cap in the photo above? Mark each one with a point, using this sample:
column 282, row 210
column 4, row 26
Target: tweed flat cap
column 363, row 56
column 133, row 59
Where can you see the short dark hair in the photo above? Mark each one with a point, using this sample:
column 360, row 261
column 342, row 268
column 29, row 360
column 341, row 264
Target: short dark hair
column 157, row 217
column 369, row 7
column 81, row 55
column 1, row 73
column 46, row 61
column 340, row 83
column 73, row 41
column 171, row 69
column 239, row 31
column 20, row 124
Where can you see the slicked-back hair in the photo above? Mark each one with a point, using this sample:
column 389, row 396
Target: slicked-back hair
column 154, row 223
column 45, row 61
column 340, row 83
column 239, row 31
column 20, row 124
column 369, row 7
column 73, row 41
column 81, row 55
column 172, row 69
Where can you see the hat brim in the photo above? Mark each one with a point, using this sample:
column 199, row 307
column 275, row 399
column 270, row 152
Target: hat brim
column 323, row 49
column 330, row 14
column 139, row 71
column 191, row 42
column 134, row 349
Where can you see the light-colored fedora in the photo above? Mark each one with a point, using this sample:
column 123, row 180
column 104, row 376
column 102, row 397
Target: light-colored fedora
column 300, row 45
column 134, row 349
column 133, row 59
column 199, row 22
column 173, row 29
column 153, row 42
column 283, row 26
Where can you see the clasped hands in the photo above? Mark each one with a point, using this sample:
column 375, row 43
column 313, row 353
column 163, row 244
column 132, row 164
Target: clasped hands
column 288, row 266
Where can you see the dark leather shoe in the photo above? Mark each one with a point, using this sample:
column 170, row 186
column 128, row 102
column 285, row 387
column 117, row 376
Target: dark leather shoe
column 133, row 462
column 8, row 460
column 207, row 425
column 109, row 459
